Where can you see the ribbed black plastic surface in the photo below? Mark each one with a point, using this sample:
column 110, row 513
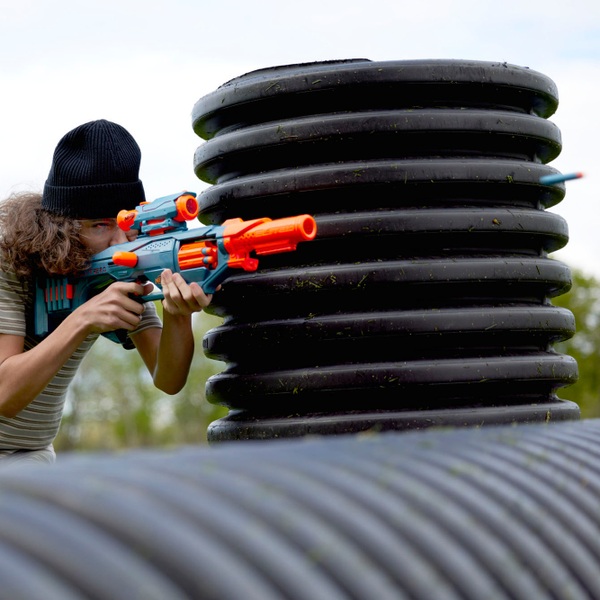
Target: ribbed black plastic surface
column 496, row 512
column 428, row 288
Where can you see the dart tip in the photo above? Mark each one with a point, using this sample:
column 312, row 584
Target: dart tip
column 560, row 177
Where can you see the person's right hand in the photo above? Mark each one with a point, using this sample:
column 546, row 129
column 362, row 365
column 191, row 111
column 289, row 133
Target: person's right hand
column 114, row 308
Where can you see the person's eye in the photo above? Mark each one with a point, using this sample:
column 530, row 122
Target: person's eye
column 104, row 225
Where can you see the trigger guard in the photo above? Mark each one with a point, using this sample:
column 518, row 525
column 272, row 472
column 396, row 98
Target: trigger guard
column 156, row 295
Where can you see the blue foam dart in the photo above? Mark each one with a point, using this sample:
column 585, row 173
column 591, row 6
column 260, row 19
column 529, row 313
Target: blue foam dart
column 559, row 178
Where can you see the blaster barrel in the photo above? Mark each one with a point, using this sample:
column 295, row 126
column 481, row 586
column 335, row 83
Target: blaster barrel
column 266, row 236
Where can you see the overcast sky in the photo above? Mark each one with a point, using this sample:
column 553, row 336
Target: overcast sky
column 144, row 63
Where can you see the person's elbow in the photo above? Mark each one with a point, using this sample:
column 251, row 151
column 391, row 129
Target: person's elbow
column 169, row 386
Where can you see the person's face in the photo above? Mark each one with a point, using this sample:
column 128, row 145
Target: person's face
column 100, row 234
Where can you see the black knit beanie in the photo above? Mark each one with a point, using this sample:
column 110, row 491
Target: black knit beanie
column 94, row 173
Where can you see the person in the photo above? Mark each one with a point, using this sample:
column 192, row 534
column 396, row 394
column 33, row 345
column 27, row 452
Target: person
column 94, row 174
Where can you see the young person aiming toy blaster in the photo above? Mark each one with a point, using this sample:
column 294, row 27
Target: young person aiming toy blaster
column 69, row 234
column 204, row 255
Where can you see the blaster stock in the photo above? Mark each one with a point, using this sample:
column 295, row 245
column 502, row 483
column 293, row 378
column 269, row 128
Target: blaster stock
column 206, row 255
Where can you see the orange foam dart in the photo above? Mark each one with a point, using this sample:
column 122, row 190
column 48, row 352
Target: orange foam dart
column 265, row 236
column 125, row 259
column 197, row 254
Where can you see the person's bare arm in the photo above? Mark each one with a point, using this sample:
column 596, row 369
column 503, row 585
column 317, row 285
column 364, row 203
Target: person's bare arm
column 168, row 353
column 24, row 375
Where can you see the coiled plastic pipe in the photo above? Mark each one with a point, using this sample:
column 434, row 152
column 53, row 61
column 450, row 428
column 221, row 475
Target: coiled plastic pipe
column 478, row 513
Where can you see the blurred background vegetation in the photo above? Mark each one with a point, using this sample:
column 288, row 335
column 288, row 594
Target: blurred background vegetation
column 113, row 404
column 583, row 300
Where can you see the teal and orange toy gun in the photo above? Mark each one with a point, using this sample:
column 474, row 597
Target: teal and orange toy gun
column 206, row 255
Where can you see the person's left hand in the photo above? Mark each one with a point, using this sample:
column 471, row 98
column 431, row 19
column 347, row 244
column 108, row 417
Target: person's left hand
column 181, row 298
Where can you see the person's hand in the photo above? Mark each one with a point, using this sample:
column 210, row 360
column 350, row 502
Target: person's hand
column 114, row 308
column 181, row 298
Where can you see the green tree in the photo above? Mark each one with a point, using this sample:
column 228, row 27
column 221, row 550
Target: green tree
column 583, row 300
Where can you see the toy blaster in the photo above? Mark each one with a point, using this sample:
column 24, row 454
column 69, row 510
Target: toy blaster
column 206, row 255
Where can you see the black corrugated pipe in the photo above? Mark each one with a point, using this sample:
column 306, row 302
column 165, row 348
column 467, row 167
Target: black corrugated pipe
column 505, row 512
column 426, row 297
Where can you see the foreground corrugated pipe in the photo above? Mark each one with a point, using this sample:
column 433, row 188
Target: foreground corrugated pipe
column 495, row 512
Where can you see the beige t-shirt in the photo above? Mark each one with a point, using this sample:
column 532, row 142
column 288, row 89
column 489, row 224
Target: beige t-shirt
column 36, row 426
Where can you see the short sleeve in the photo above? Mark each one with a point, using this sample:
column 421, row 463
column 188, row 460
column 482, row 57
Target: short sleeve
column 13, row 301
column 150, row 319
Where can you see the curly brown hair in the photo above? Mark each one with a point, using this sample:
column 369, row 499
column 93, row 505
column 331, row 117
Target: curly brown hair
column 33, row 240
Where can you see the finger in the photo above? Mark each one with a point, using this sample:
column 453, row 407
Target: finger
column 166, row 276
column 201, row 298
column 166, row 283
column 130, row 321
column 147, row 288
column 179, row 289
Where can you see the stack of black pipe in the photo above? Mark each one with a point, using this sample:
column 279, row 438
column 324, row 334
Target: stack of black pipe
column 425, row 298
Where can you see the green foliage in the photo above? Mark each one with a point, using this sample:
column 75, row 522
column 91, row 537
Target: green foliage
column 113, row 404
column 583, row 300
